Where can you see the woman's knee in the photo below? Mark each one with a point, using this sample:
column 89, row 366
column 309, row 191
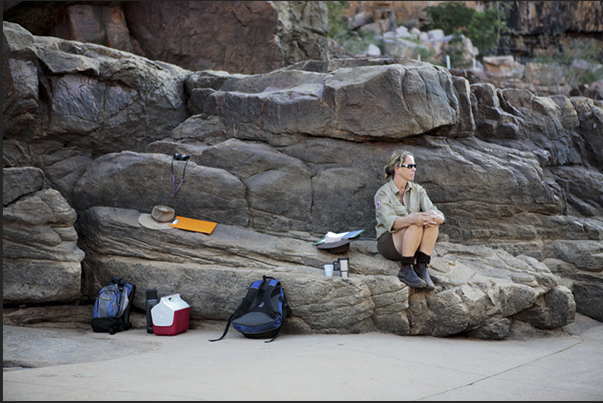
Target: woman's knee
column 431, row 230
column 414, row 230
column 433, row 227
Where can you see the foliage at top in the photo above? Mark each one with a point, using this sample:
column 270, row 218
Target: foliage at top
column 337, row 25
column 352, row 41
column 482, row 27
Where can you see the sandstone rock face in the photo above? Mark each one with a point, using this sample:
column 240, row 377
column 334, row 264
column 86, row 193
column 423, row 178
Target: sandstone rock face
column 248, row 37
column 279, row 159
column 302, row 30
column 41, row 260
column 244, row 40
column 20, row 80
column 532, row 24
column 103, row 100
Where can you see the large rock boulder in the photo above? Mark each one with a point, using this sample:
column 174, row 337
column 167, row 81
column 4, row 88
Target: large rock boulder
column 41, row 261
column 142, row 181
column 380, row 101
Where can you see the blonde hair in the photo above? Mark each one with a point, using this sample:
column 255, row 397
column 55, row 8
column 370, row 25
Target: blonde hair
column 395, row 159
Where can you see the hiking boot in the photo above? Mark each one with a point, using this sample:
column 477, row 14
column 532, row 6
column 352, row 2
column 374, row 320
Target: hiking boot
column 423, row 274
column 408, row 276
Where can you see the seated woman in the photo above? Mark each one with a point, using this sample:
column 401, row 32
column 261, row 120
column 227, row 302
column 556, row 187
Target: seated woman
column 407, row 221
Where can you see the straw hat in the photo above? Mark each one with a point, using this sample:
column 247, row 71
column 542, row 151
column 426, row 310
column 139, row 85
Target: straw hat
column 160, row 218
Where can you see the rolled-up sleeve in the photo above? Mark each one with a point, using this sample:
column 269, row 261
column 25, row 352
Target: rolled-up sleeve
column 386, row 212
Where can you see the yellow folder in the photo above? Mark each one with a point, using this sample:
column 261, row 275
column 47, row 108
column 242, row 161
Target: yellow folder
column 190, row 224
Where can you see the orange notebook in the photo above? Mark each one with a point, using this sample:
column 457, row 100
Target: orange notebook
column 190, row 224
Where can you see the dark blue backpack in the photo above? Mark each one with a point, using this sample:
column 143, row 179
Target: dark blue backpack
column 112, row 307
column 262, row 312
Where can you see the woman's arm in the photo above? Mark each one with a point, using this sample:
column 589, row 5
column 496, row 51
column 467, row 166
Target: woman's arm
column 429, row 218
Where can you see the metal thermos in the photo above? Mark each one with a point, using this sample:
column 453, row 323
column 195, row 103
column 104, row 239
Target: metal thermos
column 152, row 300
column 344, row 266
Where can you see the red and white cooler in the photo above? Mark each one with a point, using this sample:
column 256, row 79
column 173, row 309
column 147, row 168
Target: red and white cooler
column 170, row 316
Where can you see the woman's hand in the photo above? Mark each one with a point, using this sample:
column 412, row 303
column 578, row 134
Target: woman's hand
column 428, row 219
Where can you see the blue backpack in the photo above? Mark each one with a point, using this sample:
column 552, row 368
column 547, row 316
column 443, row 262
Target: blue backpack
column 112, row 307
column 262, row 312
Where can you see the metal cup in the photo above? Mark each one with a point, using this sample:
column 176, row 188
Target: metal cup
column 344, row 265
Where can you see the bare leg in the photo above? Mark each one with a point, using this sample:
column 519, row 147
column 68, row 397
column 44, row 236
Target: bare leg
column 430, row 235
column 407, row 240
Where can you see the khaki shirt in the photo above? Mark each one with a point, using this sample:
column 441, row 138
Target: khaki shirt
column 388, row 206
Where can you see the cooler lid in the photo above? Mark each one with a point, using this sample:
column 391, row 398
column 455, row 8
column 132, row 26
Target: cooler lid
column 162, row 314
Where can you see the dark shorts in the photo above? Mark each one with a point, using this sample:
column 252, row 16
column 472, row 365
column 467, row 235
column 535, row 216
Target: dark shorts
column 385, row 246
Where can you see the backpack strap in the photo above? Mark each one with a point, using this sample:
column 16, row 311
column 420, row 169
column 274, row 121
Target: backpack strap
column 118, row 281
column 244, row 306
column 281, row 304
column 113, row 329
column 268, row 308
column 226, row 329
column 129, row 290
column 126, row 296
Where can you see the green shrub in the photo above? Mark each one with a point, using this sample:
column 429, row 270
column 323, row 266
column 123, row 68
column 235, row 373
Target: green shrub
column 487, row 26
column 337, row 24
column 483, row 28
column 450, row 16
